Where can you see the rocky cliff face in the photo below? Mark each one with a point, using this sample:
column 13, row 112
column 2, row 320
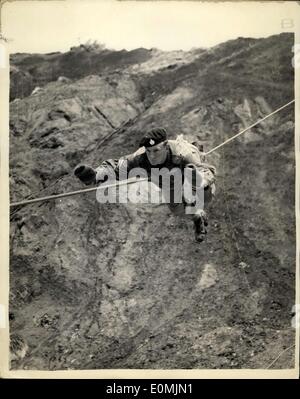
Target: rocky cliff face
column 125, row 286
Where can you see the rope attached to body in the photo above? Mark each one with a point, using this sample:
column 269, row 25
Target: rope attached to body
column 131, row 181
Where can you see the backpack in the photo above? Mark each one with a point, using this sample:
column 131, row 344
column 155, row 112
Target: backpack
column 182, row 149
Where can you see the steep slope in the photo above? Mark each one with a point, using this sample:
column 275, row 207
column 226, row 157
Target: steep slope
column 124, row 285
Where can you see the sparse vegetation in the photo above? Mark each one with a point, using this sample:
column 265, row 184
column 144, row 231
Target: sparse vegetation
column 125, row 286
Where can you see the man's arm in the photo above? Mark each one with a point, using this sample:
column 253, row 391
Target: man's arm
column 112, row 169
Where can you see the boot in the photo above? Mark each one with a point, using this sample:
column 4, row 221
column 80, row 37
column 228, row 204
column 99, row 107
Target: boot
column 200, row 224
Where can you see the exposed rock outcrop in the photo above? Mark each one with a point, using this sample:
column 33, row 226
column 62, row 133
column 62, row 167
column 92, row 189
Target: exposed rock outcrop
column 124, row 285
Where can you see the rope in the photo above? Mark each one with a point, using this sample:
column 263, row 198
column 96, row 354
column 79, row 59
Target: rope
column 17, row 209
column 249, row 127
column 280, row 354
column 50, row 197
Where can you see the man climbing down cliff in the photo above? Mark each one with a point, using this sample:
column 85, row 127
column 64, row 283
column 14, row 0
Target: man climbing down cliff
column 157, row 153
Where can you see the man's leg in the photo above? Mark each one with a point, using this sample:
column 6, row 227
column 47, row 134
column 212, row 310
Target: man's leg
column 196, row 208
column 203, row 196
column 200, row 217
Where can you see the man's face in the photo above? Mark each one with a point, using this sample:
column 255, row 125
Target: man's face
column 157, row 154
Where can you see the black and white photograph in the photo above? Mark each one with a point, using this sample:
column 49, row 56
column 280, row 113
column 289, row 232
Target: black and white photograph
column 152, row 186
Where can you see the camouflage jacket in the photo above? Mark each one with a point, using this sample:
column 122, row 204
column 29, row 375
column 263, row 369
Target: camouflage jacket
column 177, row 157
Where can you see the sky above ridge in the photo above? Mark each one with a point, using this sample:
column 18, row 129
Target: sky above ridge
column 47, row 26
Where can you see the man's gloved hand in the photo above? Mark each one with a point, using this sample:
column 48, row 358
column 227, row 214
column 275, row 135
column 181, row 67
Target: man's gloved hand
column 86, row 174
